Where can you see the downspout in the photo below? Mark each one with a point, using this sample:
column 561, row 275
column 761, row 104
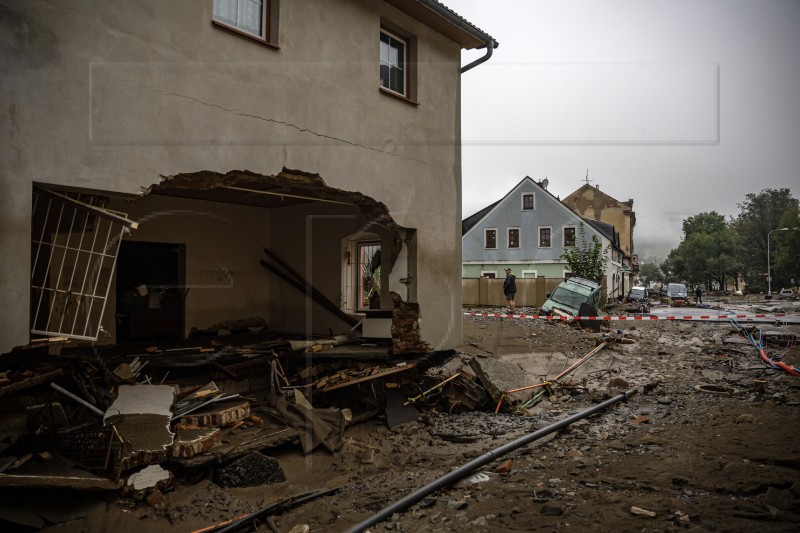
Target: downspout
column 490, row 46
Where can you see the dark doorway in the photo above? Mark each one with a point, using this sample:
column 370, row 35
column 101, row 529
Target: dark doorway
column 150, row 291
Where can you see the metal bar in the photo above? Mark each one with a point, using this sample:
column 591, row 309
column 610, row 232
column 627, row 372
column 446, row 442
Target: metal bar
column 99, row 211
column 61, row 271
column 462, row 471
column 47, row 270
column 88, row 267
column 78, row 399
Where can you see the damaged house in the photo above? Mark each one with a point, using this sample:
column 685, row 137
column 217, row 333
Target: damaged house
column 171, row 166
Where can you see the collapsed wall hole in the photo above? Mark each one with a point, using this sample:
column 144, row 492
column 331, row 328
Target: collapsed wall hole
column 225, row 227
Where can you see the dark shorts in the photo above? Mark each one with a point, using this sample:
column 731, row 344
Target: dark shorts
column 510, row 295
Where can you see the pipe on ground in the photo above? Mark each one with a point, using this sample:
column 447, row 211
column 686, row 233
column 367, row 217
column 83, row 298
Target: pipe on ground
column 462, row 471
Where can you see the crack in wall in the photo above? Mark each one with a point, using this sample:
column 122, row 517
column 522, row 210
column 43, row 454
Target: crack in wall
column 266, row 119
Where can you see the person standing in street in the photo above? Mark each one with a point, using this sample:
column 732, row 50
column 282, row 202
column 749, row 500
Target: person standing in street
column 510, row 289
column 698, row 295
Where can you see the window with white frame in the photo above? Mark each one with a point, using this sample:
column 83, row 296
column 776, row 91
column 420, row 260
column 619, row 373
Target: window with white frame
column 255, row 18
column 490, row 238
column 545, row 237
column 513, row 237
column 491, row 274
column 569, row 235
column 528, row 201
column 393, row 71
column 528, row 273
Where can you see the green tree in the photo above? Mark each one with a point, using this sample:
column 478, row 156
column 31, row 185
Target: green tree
column 710, row 223
column 787, row 250
column 587, row 259
column 758, row 215
column 651, row 273
column 709, row 252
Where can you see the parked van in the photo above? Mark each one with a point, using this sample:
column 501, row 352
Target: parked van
column 567, row 298
column 677, row 293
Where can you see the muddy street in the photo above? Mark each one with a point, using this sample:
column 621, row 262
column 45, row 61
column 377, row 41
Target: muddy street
column 707, row 442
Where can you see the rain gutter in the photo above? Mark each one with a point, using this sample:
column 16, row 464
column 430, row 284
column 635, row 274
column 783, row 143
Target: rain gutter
column 466, row 27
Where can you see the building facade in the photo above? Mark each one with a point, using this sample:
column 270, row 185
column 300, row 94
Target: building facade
column 209, row 131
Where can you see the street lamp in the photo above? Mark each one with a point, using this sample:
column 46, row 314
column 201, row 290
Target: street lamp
column 769, row 272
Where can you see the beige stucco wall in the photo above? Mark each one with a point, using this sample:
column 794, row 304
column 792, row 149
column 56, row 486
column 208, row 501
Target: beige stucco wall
column 111, row 95
column 594, row 204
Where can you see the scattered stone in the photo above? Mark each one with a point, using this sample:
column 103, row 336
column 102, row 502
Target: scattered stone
column 504, row 467
column 574, row 454
column 618, row 383
column 638, row 511
column 639, row 420
column 780, row 499
column 745, row 418
column 457, row 504
column 300, row 528
column 249, row 471
column 481, row 521
column 156, row 498
column 553, row 509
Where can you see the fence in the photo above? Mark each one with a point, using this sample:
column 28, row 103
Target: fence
column 531, row 292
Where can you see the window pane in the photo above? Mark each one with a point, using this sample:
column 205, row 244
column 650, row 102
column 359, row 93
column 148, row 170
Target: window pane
column 250, row 16
column 384, row 50
column 392, row 56
column 491, row 239
column 397, row 83
column 225, row 11
column 513, row 238
column 569, row 236
column 527, row 201
column 544, row 237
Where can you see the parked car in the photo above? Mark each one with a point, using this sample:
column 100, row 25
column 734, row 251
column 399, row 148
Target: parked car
column 786, row 294
column 638, row 296
column 653, row 292
column 566, row 299
column 677, row 293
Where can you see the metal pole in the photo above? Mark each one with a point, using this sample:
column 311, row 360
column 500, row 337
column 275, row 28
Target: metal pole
column 462, row 471
column 769, row 272
column 81, row 401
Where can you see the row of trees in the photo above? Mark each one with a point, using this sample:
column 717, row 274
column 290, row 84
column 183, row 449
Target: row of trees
column 715, row 251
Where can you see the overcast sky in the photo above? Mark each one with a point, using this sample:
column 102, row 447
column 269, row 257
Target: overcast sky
column 683, row 105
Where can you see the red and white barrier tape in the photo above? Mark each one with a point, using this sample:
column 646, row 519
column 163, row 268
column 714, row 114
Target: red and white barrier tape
column 636, row 318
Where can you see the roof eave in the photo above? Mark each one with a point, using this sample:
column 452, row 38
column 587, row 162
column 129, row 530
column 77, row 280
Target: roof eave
column 446, row 21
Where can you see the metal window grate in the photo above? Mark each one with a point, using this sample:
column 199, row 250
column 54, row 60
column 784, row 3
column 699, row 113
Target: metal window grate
column 74, row 246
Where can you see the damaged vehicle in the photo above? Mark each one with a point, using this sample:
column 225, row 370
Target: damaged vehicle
column 570, row 295
column 677, row 293
column 638, row 297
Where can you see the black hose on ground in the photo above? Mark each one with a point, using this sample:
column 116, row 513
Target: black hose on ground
column 462, row 471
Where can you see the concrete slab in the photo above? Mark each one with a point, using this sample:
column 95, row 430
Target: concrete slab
column 148, row 477
column 190, row 442
column 498, row 376
column 218, row 414
column 141, row 414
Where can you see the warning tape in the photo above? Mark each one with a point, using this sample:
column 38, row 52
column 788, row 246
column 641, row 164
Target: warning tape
column 635, row 318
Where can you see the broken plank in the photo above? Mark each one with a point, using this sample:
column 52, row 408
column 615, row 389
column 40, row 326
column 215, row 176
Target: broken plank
column 379, row 374
column 30, row 382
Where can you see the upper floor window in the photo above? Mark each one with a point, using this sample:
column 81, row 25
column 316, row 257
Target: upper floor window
column 528, row 202
column 544, row 238
column 393, row 63
column 253, row 18
column 569, row 236
column 513, row 237
column 490, row 238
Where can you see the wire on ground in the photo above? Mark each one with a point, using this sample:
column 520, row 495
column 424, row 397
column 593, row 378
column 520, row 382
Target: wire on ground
column 634, row 318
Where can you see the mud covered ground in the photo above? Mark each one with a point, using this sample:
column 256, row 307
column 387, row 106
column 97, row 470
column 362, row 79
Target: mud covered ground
column 711, row 443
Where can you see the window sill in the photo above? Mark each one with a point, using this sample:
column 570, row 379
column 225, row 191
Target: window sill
column 400, row 97
column 254, row 38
